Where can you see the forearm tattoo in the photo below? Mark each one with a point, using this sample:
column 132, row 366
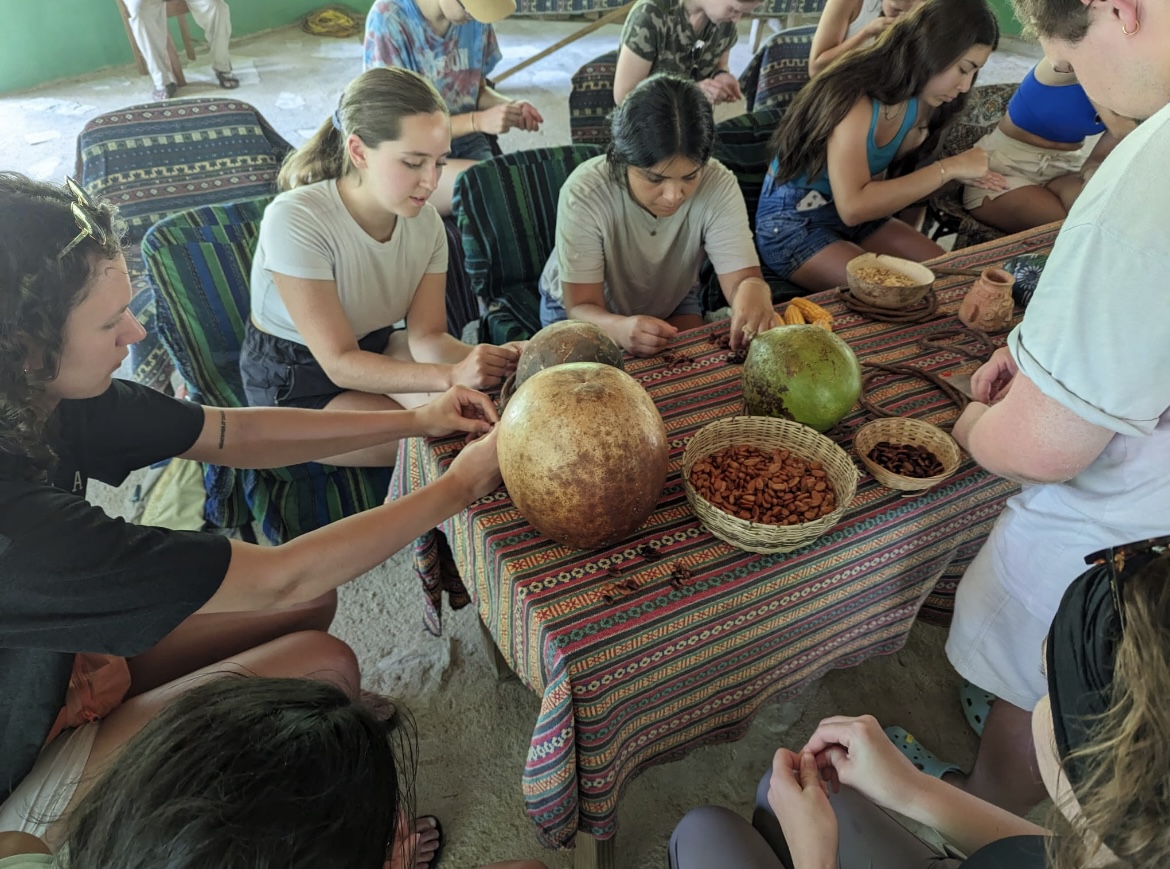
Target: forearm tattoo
column 222, row 427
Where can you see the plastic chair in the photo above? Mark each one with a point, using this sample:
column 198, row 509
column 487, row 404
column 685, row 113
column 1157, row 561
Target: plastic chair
column 156, row 159
column 778, row 71
column 507, row 209
column 200, row 263
column 591, row 100
column 986, row 104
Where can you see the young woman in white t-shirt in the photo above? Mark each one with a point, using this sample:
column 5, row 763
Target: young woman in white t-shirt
column 352, row 248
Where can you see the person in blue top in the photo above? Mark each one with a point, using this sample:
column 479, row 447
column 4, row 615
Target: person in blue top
column 453, row 45
column 1040, row 147
column 844, row 156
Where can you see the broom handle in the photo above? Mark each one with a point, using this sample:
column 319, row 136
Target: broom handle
column 608, row 18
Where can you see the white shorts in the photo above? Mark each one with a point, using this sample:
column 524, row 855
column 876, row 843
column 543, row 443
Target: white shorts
column 43, row 795
column 995, row 642
column 1023, row 165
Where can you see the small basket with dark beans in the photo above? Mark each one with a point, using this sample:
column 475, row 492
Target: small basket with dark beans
column 767, row 485
column 906, row 454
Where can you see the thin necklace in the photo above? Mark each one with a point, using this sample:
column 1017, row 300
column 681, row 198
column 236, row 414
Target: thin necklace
column 890, row 115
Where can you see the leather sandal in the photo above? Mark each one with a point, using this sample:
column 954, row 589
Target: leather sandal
column 165, row 92
column 227, row 80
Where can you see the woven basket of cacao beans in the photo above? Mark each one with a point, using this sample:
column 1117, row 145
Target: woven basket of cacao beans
column 767, row 485
column 906, row 454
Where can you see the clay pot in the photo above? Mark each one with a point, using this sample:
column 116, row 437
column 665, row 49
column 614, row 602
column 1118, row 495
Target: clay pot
column 988, row 305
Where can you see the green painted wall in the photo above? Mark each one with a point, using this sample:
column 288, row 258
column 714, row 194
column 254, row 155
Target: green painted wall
column 51, row 39
column 1008, row 24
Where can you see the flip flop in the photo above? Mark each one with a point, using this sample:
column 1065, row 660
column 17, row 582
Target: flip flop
column 976, row 704
column 227, row 80
column 918, row 755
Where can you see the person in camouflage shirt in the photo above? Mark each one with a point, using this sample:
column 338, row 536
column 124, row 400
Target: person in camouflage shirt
column 690, row 38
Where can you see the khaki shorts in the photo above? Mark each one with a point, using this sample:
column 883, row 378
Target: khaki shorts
column 1023, row 165
column 43, row 795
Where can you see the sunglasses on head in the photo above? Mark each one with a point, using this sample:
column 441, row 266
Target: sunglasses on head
column 1126, row 561
column 83, row 209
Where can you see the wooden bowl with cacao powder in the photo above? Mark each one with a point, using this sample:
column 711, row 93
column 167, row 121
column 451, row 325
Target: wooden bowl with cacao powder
column 909, row 473
column 782, row 445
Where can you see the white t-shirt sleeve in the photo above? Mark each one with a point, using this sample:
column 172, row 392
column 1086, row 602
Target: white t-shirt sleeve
column 1089, row 340
column 727, row 236
column 294, row 243
column 580, row 247
column 439, row 253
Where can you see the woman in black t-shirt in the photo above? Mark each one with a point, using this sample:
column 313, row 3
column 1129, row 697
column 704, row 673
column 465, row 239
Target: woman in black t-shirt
column 1101, row 749
column 73, row 580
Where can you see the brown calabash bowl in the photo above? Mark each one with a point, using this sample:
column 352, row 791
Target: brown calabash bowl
column 882, row 296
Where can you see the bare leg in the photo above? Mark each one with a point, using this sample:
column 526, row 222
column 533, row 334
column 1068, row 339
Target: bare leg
column 306, row 654
column 201, row 640
column 1005, row 771
column 826, row 268
column 1020, row 209
column 1067, row 188
column 445, row 192
column 897, row 239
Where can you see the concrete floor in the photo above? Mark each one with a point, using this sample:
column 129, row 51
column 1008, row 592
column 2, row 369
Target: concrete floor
column 473, row 731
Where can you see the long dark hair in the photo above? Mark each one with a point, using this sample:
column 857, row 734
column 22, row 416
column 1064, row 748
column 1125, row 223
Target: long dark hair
column 247, row 773
column 38, row 289
column 372, row 107
column 918, row 46
column 664, row 116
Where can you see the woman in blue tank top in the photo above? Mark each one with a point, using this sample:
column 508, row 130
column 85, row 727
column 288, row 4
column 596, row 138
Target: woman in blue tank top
column 845, row 152
column 1039, row 147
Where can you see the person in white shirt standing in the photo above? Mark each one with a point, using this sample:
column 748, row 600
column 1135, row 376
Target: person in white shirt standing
column 148, row 23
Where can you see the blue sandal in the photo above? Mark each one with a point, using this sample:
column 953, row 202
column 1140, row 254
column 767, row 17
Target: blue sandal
column 976, row 705
column 918, row 754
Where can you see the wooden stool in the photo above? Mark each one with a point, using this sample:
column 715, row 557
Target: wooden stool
column 175, row 9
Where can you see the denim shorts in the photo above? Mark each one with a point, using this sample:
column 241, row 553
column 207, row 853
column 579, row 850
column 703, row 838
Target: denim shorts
column 552, row 311
column 787, row 238
column 473, row 146
column 278, row 372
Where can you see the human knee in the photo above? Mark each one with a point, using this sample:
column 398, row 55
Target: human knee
column 325, row 657
column 696, row 831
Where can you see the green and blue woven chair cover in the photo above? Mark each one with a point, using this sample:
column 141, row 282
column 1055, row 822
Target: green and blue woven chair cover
column 741, row 144
column 200, row 263
column 507, row 209
column 155, row 159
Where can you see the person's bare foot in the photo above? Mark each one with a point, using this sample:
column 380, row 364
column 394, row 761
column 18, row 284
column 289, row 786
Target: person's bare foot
column 423, row 844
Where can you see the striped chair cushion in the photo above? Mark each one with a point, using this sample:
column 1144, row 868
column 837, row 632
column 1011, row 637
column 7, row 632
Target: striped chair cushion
column 591, row 100
column 741, row 144
column 155, row 159
column 200, row 262
column 783, row 67
column 507, row 209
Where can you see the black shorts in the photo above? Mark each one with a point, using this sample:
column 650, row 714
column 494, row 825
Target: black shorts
column 282, row 373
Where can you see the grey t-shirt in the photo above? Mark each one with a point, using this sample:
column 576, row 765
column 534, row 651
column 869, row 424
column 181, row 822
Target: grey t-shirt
column 307, row 232
column 660, row 31
column 648, row 264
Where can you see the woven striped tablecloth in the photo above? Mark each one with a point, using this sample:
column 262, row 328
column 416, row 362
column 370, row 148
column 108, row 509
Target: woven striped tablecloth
column 664, row 669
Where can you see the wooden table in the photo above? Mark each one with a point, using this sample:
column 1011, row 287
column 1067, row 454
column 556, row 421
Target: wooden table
column 663, row 670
